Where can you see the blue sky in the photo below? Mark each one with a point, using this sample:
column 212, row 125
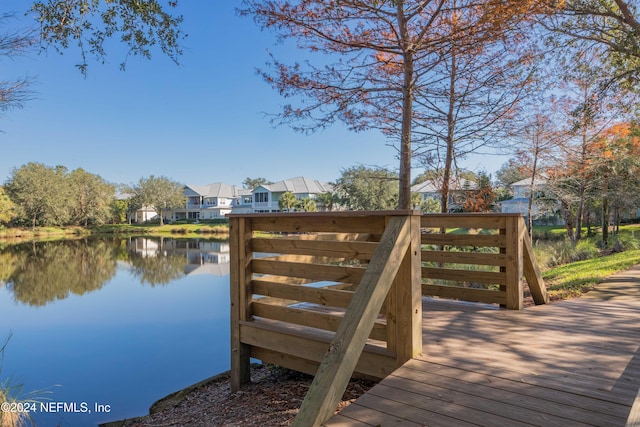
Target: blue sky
column 197, row 123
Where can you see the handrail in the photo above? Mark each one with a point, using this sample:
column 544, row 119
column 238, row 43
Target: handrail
column 300, row 281
column 481, row 258
column 340, row 360
column 293, row 276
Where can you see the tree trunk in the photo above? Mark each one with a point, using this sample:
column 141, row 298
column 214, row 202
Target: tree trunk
column 605, row 220
column 568, row 220
column 582, row 189
column 532, row 186
column 404, row 190
column 451, row 124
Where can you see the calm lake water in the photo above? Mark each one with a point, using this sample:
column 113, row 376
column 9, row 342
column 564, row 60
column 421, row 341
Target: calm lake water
column 114, row 322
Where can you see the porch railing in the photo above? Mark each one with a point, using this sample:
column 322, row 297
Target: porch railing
column 479, row 257
column 338, row 293
column 293, row 276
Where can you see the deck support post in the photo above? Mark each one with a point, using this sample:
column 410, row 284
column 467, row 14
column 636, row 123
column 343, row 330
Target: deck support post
column 404, row 302
column 239, row 229
column 515, row 233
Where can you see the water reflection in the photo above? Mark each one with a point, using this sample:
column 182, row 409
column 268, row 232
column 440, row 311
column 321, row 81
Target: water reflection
column 41, row 272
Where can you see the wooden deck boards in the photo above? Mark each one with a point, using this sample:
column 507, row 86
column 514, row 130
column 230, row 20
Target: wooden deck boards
column 571, row 363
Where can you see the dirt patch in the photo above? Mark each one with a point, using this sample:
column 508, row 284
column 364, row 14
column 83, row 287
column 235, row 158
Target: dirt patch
column 272, row 399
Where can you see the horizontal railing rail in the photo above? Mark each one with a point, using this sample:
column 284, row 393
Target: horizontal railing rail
column 479, row 257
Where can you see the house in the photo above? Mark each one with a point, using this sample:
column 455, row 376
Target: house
column 430, row 190
column 265, row 198
column 141, row 215
column 243, row 203
column 215, row 201
column 542, row 209
column 206, row 202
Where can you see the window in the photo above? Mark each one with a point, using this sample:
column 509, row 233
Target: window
column 261, row 197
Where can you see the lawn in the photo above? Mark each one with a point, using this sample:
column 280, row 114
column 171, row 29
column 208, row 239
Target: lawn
column 570, row 270
column 189, row 230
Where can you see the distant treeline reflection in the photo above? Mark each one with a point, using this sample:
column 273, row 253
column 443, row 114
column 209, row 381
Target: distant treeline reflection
column 41, row 272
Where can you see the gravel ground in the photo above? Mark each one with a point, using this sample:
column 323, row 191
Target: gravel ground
column 272, row 399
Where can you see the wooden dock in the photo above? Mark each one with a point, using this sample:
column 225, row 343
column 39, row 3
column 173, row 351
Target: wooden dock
column 571, row 363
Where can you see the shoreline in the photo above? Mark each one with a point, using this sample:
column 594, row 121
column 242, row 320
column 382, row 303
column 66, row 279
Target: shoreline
column 21, row 234
column 173, row 399
column 272, row 398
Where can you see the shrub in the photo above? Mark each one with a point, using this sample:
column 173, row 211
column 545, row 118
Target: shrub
column 551, row 254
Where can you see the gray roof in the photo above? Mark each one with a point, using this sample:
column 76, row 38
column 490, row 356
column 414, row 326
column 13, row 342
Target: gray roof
column 540, row 180
column 299, row 185
column 433, row 187
column 218, row 189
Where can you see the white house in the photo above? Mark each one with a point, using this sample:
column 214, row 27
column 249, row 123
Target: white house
column 213, row 201
column 242, row 204
column 206, row 202
column 266, row 197
column 520, row 201
column 457, row 187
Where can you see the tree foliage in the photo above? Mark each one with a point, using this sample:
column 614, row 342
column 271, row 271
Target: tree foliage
column 328, row 200
column 139, row 24
column 14, row 93
column 614, row 165
column 157, row 193
column 468, row 100
column 51, row 196
column 365, row 39
column 252, row 183
column 375, row 56
column 513, row 170
column 481, row 198
column 287, row 202
column 363, row 188
column 40, row 193
column 7, row 208
column 307, row 205
column 91, row 198
column 610, row 24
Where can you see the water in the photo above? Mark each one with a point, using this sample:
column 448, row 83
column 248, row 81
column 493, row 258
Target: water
column 119, row 323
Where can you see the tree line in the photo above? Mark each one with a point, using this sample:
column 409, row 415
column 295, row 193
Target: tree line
column 38, row 195
column 592, row 180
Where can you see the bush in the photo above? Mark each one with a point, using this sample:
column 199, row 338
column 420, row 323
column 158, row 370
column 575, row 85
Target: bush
column 551, row 254
column 624, row 242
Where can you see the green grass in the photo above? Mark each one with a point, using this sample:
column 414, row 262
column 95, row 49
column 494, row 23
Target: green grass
column 192, row 230
column 43, row 232
column 571, row 280
column 173, row 229
column 570, row 270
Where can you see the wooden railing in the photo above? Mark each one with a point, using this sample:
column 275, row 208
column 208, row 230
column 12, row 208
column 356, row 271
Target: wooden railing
column 338, row 293
column 479, row 257
column 293, row 277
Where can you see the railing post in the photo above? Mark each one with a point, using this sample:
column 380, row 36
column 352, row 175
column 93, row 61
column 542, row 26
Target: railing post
column 515, row 232
column 404, row 302
column 532, row 272
column 240, row 275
